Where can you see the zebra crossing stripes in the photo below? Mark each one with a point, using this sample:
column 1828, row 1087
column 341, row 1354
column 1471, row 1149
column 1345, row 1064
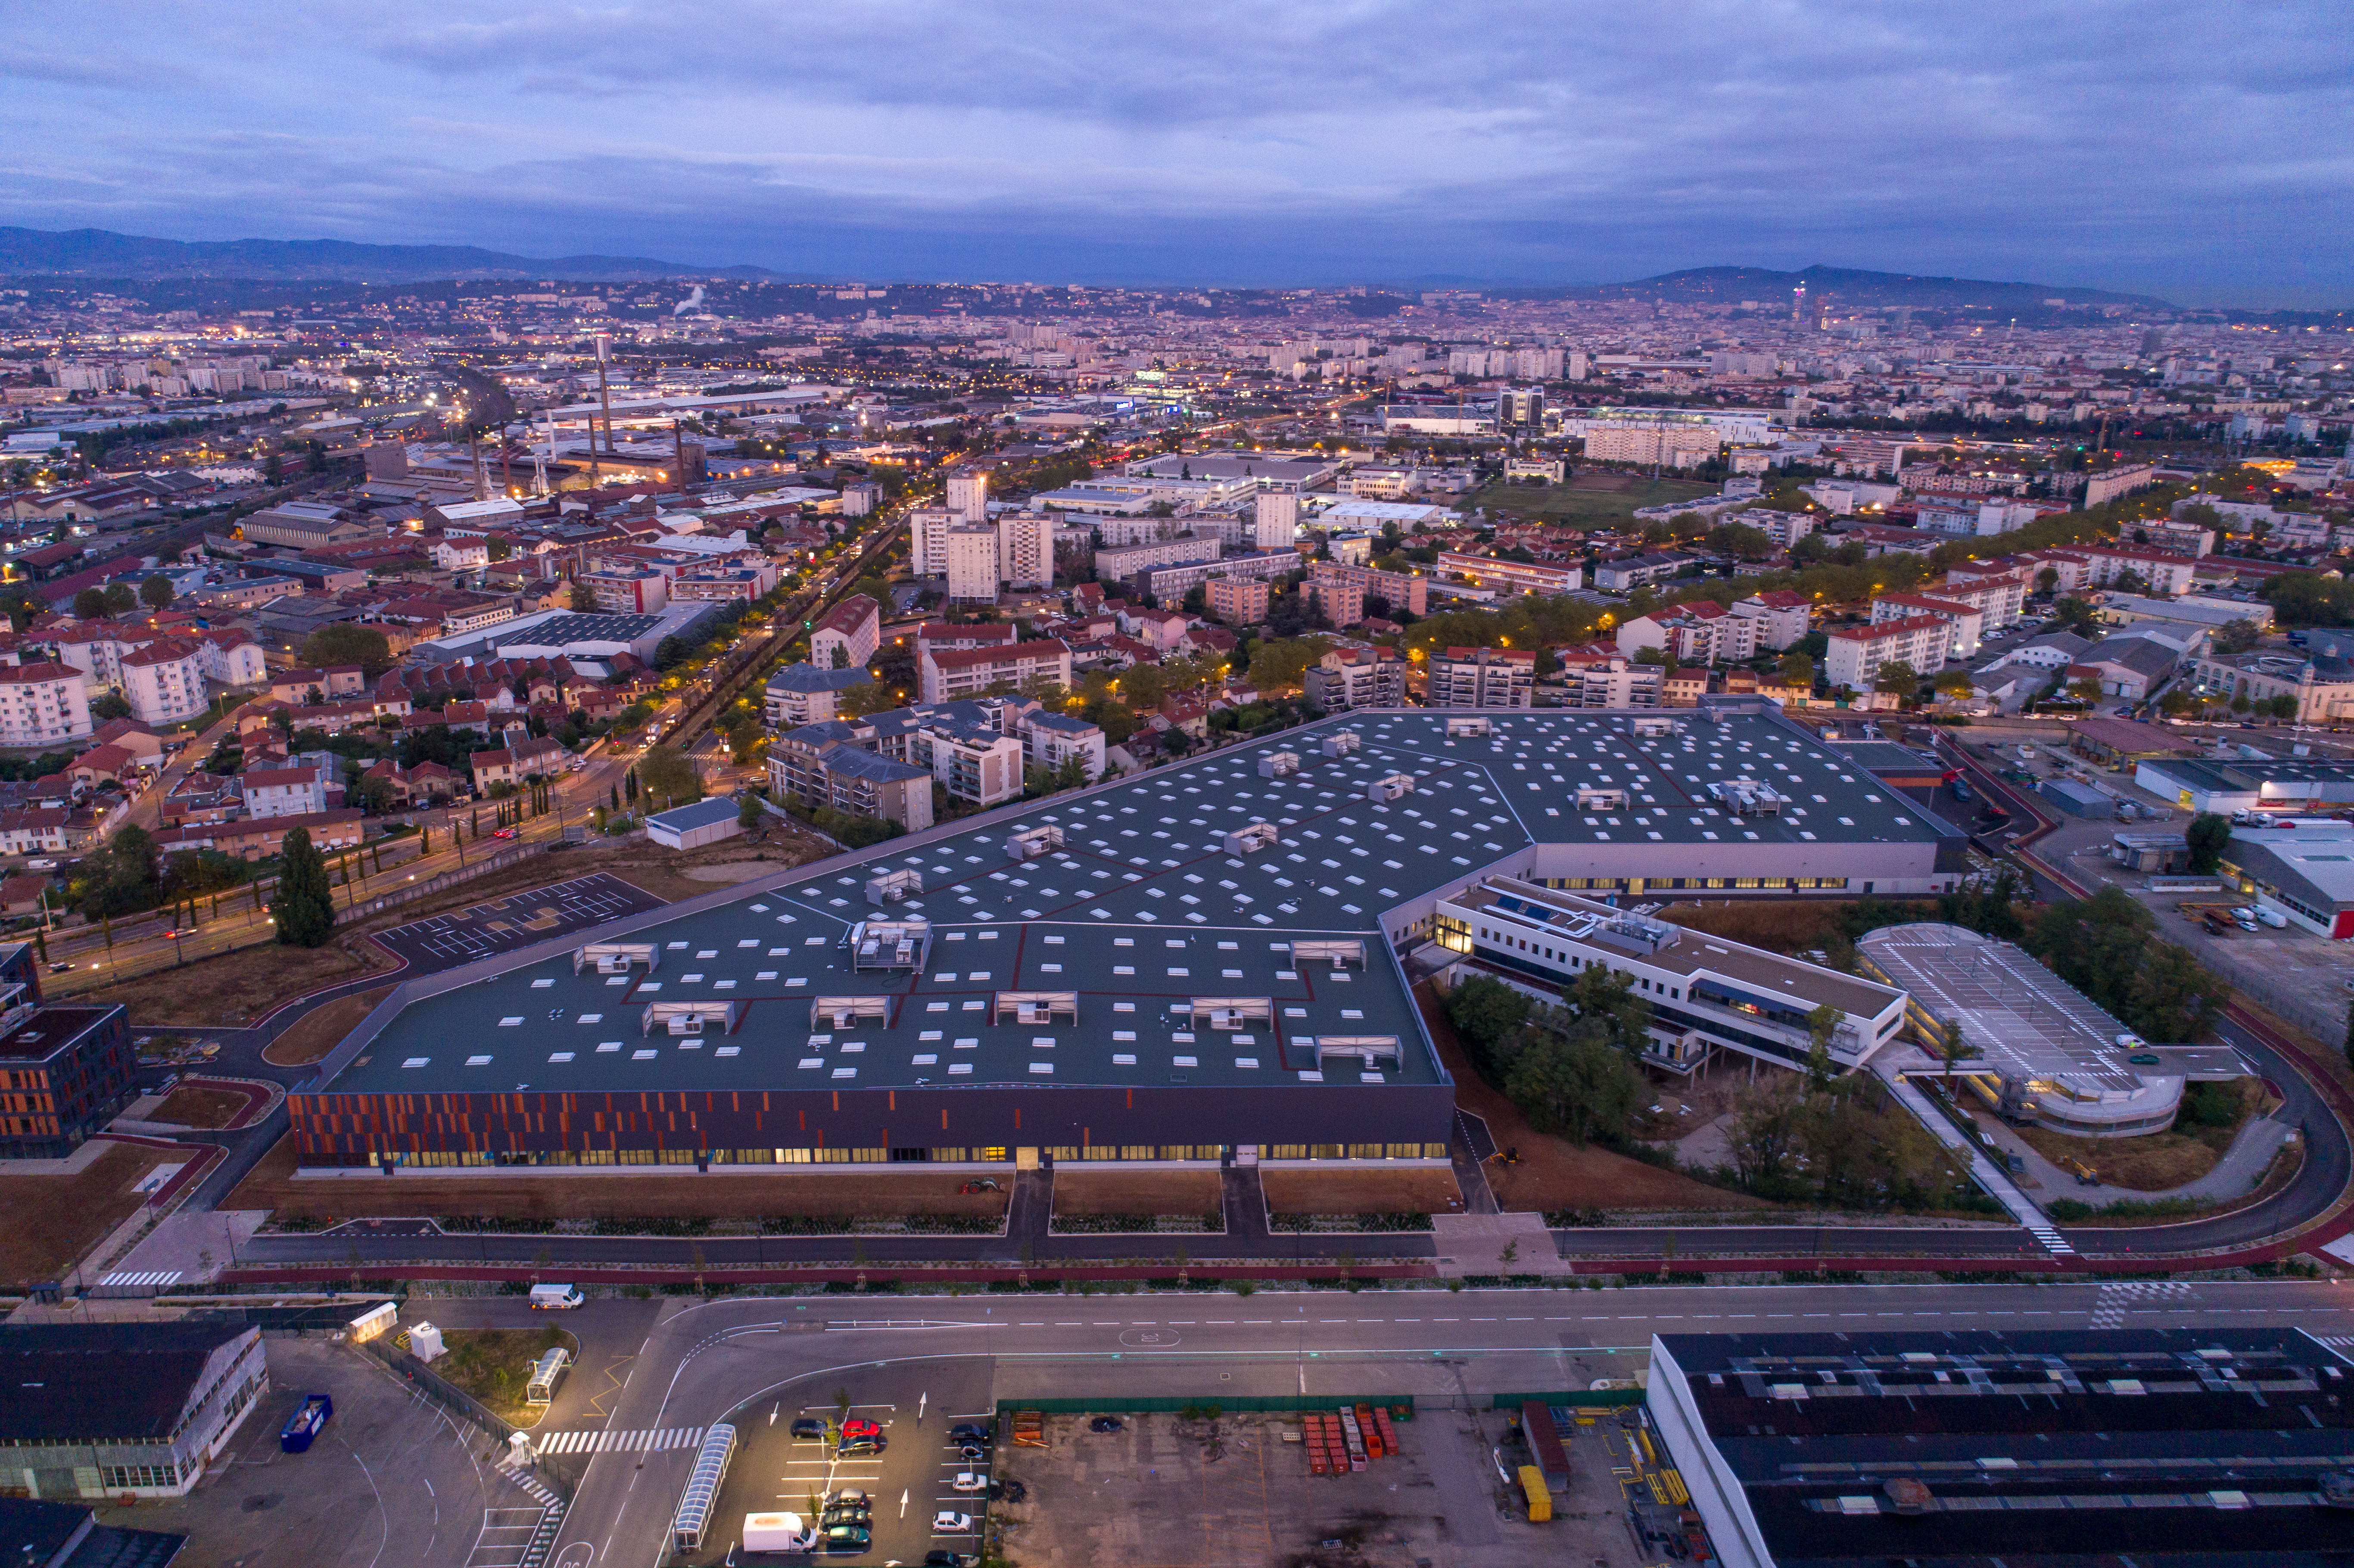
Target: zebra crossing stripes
column 2109, row 1309
column 649, row 1441
column 152, row 1276
column 2053, row 1241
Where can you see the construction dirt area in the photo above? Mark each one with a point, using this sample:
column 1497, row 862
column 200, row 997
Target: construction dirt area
column 1431, row 1191
column 1236, row 1491
column 853, row 1192
column 49, row 1222
column 193, row 1105
column 1079, row 1191
column 238, row 989
column 319, row 1030
column 1553, row 1173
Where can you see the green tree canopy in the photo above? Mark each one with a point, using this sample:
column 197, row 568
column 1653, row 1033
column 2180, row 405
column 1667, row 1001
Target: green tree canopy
column 304, row 906
column 1896, row 678
column 89, row 604
column 667, row 777
column 119, row 598
column 157, row 593
column 2208, row 834
column 348, row 642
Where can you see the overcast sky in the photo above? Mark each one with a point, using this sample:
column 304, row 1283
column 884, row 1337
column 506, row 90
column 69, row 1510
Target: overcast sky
column 2200, row 151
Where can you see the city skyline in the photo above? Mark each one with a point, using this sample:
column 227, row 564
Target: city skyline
column 2164, row 150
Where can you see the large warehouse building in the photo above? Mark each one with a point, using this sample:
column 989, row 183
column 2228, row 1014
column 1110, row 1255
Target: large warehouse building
column 2027, row 1449
column 1203, row 963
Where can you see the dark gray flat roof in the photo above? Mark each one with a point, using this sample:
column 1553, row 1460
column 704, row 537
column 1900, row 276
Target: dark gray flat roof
column 1141, row 908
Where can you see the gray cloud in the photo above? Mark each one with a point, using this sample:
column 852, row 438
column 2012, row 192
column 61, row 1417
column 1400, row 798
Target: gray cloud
column 2194, row 149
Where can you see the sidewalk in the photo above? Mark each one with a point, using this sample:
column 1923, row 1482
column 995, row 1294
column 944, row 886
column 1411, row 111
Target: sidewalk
column 1982, row 1170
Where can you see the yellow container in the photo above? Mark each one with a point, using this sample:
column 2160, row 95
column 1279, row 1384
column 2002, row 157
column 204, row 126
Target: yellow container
column 1532, row 1484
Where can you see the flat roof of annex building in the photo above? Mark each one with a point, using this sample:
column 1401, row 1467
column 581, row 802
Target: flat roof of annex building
column 1141, row 910
column 2154, row 1445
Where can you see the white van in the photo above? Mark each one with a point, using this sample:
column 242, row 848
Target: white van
column 556, row 1297
column 2273, row 917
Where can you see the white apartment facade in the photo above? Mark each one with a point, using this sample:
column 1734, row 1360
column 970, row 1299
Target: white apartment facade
column 1856, row 652
column 44, row 703
column 1968, row 624
column 970, row 564
column 948, row 675
column 164, row 682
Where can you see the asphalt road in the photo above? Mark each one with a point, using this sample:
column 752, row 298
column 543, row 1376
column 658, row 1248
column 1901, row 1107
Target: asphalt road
column 706, row 1360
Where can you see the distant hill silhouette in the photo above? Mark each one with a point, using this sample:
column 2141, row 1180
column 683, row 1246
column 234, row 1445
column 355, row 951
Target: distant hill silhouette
column 1847, row 285
column 102, row 253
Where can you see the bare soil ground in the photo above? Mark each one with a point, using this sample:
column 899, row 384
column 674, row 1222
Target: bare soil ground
column 495, row 1364
column 237, row 988
column 321, row 1030
column 2156, row 1161
column 1081, row 1191
column 1554, row 1173
column 193, row 1105
column 851, row 1192
column 1360, row 1191
column 48, row 1222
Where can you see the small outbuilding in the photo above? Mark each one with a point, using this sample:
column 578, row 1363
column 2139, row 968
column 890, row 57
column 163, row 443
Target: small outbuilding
column 688, row 827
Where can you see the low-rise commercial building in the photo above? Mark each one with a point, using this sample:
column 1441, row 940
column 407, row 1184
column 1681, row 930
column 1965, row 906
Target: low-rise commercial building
column 1707, row 994
column 101, row 1410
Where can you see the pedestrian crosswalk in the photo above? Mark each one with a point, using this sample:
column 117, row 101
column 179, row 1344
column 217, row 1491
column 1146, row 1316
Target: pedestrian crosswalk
column 649, row 1441
column 2053, row 1241
column 156, row 1278
column 2109, row 1309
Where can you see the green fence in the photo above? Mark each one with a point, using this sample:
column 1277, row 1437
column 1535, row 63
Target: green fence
column 1590, row 1398
column 1400, row 1405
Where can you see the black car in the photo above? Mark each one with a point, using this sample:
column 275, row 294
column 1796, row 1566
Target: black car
column 809, row 1426
column 1105, row 1423
column 951, row 1560
column 968, row 1432
column 972, row 1453
column 851, row 1513
column 868, row 1445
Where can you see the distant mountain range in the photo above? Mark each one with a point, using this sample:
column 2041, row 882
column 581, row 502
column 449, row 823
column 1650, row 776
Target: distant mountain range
column 1848, row 286
column 102, row 253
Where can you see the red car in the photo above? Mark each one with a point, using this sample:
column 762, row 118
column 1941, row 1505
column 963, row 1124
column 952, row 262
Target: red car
column 859, row 1429
column 505, row 833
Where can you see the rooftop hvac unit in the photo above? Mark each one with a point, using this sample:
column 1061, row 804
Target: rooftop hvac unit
column 1278, row 765
column 1594, row 798
column 1370, row 1049
column 1381, row 791
column 615, row 958
column 691, row 1025
column 1648, row 726
column 893, row 886
column 1251, row 838
column 1472, row 728
column 1340, row 951
column 1341, row 742
column 1030, row 844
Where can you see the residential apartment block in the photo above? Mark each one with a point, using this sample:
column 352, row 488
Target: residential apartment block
column 44, row 703
column 1782, row 617
column 1482, row 678
column 1518, row 577
column 949, row 674
column 1856, row 652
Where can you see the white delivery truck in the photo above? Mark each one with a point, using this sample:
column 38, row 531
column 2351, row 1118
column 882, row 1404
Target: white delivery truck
column 556, row 1297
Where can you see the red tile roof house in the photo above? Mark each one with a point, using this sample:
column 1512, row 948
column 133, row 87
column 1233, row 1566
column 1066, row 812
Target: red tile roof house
column 528, row 759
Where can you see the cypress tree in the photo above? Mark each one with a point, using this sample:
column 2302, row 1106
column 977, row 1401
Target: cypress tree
column 305, row 905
